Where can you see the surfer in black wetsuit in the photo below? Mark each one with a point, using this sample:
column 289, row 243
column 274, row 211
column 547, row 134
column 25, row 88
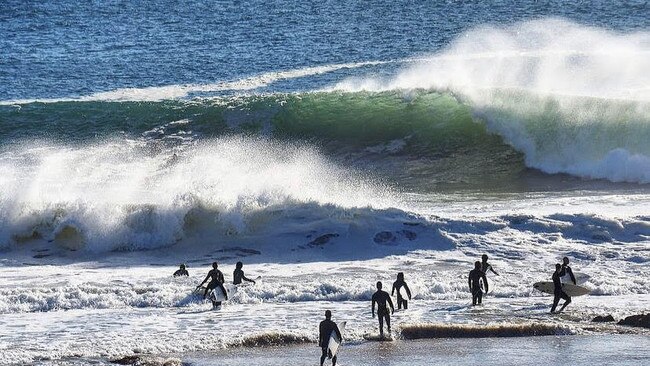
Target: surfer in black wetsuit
column 397, row 286
column 238, row 275
column 325, row 330
column 566, row 270
column 558, row 292
column 216, row 279
column 475, row 285
column 181, row 272
column 485, row 266
column 383, row 300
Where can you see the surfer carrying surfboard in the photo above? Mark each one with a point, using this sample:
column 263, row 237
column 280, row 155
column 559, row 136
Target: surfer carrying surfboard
column 475, row 285
column 397, row 286
column 558, row 292
column 383, row 300
column 325, row 331
column 216, row 280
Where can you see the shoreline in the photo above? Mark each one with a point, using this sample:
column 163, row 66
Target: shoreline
column 578, row 350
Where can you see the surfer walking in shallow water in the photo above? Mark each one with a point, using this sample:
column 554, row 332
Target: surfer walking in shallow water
column 238, row 275
column 216, row 280
column 325, row 330
column 558, row 291
column 476, row 281
column 382, row 299
column 397, row 286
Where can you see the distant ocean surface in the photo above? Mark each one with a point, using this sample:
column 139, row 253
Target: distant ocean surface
column 352, row 139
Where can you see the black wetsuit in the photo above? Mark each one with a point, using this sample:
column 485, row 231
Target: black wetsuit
column 475, row 277
column 216, row 279
column 181, row 272
column 383, row 301
column 558, row 292
column 238, row 276
column 325, row 330
column 397, row 285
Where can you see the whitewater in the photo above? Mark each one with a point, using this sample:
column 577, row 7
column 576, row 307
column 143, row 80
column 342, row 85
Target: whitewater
column 526, row 141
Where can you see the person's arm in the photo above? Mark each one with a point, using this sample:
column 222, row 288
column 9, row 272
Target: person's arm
column 321, row 335
column 392, row 292
column 338, row 332
column 469, row 281
column 573, row 278
column 408, row 290
column 493, row 271
column 243, row 277
column 373, row 305
column 205, row 280
column 486, row 283
column 221, row 279
column 392, row 308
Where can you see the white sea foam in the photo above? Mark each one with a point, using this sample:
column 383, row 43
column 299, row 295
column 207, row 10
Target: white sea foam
column 169, row 92
column 120, row 195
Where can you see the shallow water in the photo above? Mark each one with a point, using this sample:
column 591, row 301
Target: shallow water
column 570, row 350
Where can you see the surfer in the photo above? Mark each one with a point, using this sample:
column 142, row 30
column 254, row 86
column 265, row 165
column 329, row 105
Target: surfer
column 325, row 330
column 216, row 279
column 383, row 300
column 238, row 275
column 397, row 286
column 566, row 270
column 181, row 271
column 485, row 266
column 558, row 292
column 475, row 284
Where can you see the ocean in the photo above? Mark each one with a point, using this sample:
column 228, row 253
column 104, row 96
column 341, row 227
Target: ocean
column 327, row 146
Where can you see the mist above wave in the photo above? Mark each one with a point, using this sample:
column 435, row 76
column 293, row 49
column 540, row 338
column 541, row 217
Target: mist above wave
column 574, row 99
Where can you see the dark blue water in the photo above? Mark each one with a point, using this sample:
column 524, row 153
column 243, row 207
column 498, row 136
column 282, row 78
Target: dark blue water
column 66, row 48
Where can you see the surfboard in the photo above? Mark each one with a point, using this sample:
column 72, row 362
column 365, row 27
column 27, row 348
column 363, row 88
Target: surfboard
column 547, row 287
column 335, row 343
column 404, row 294
column 217, row 295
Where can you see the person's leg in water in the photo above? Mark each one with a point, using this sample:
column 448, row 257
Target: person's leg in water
column 479, row 295
column 399, row 301
column 323, row 356
column 406, row 304
column 380, row 316
column 388, row 321
column 334, row 361
column 556, row 300
column 567, row 300
column 474, row 296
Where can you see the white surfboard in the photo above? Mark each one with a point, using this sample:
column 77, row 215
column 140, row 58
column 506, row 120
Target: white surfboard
column 580, row 278
column 547, row 287
column 217, row 295
column 404, row 294
column 335, row 342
